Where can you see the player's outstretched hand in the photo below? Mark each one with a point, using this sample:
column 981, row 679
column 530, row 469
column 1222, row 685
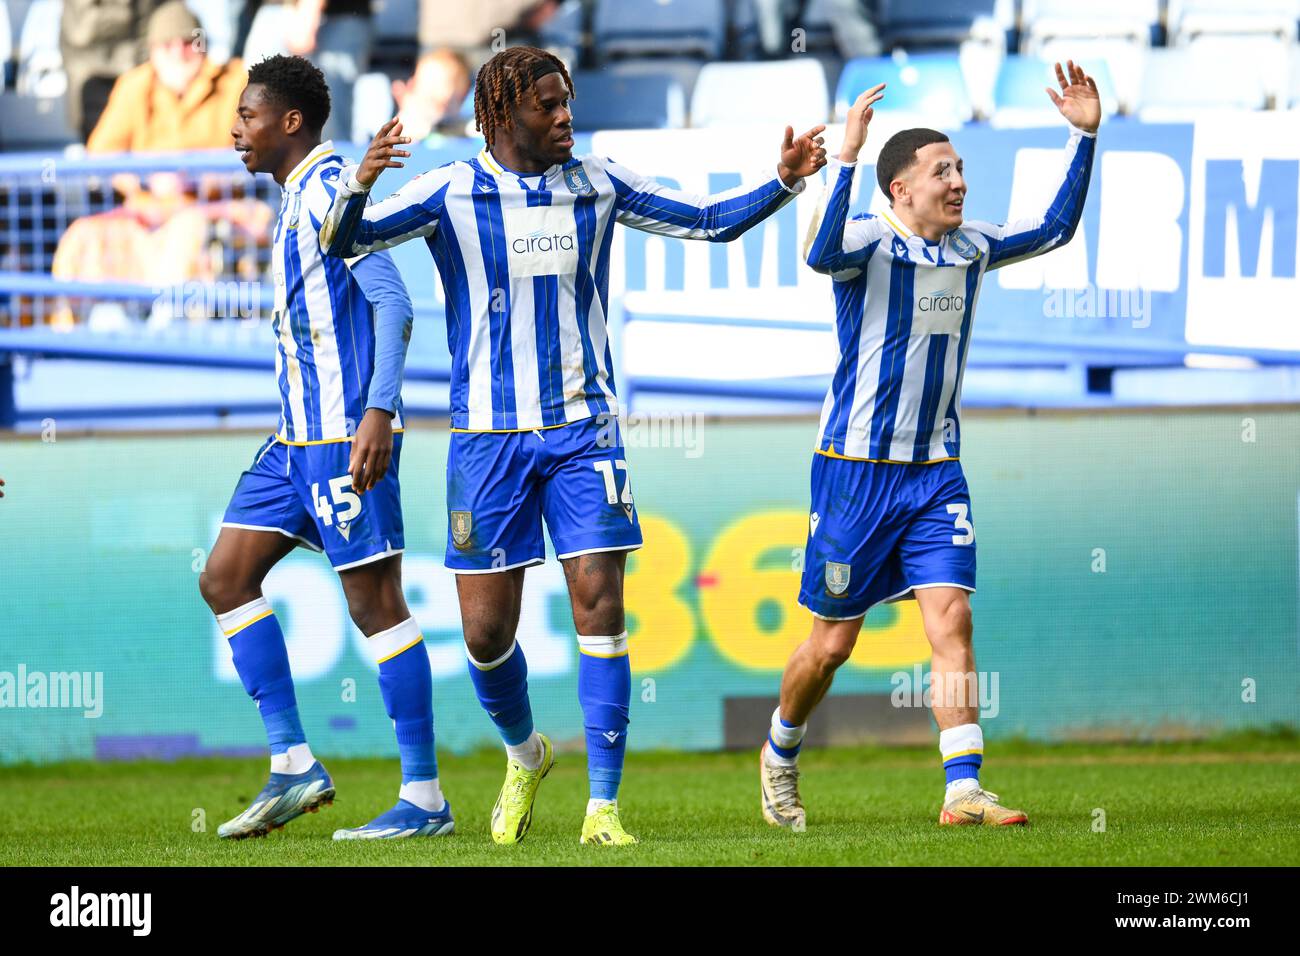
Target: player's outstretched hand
column 803, row 156
column 855, row 127
column 372, row 450
column 383, row 152
column 1078, row 100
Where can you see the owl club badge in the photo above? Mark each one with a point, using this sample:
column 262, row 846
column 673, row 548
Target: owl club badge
column 575, row 177
column 837, row 578
column 963, row 246
column 462, row 525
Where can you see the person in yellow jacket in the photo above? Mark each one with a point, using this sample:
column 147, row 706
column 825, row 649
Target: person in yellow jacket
column 177, row 100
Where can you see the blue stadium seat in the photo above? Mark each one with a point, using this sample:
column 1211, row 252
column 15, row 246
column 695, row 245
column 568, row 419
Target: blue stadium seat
column 372, row 105
column 679, row 28
column 565, row 28
column 1174, row 87
column 650, row 101
column 218, row 26
column 33, row 123
column 266, row 35
column 780, row 91
column 1020, row 100
column 685, row 72
column 6, row 51
column 397, row 20
column 40, row 61
column 931, row 84
column 933, row 23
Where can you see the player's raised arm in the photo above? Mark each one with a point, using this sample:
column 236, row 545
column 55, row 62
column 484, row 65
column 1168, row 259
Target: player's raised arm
column 649, row 206
column 833, row 245
column 1081, row 106
column 351, row 227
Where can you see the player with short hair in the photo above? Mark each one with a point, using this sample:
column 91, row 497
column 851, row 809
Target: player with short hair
column 327, row 479
column 891, row 514
column 521, row 238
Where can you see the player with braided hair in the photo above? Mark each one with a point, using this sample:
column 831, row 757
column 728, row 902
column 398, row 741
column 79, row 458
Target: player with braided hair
column 521, row 238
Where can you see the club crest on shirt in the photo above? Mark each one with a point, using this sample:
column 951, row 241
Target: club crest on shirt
column 576, row 179
column 462, row 524
column 963, row 246
column 837, row 578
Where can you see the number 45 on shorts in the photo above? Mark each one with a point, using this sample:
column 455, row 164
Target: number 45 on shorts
column 341, row 492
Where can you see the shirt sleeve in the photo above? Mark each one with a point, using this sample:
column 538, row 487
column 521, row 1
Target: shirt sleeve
column 352, row 226
column 836, row 245
column 650, row 206
column 1025, row 238
column 394, row 317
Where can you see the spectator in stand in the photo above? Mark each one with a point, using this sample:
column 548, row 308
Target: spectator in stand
column 429, row 102
column 178, row 100
column 99, row 40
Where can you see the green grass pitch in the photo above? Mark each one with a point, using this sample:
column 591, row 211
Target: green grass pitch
column 1225, row 802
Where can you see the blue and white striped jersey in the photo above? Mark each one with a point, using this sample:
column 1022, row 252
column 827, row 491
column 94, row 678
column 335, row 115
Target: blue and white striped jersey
column 524, row 263
column 324, row 324
column 903, row 309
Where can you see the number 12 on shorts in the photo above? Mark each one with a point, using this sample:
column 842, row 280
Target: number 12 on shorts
column 961, row 521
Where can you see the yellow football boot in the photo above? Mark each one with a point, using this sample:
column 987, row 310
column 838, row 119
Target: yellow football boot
column 604, row 827
column 513, row 813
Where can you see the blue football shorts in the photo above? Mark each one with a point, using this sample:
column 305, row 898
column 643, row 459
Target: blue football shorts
column 501, row 485
column 305, row 492
column 878, row 530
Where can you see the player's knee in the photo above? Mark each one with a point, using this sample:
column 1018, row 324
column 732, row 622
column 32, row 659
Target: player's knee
column 599, row 613
column 487, row 640
column 834, row 651
column 216, row 590
column 954, row 624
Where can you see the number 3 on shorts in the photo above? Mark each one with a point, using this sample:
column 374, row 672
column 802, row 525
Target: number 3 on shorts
column 962, row 523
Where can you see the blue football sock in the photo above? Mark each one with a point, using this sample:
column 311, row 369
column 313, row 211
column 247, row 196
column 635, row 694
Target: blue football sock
column 407, row 686
column 605, row 692
column 502, row 688
column 262, row 662
column 963, row 752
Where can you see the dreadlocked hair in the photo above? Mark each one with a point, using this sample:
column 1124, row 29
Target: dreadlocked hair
column 503, row 82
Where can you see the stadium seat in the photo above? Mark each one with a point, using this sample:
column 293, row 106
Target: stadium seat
column 566, row 28
column 40, row 61
column 1043, row 19
column 396, row 35
column 695, row 28
column 1269, row 56
column 928, row 84
column 6, row 51
column 685, row 72
column 33, row 123
column 934, row 23
column 783, row 91
column 1020, row 100
column 649, row 101
column 372, row 105
column 266, row 35
column 1188, row 19
column 218, row 27
column 1173, row 87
